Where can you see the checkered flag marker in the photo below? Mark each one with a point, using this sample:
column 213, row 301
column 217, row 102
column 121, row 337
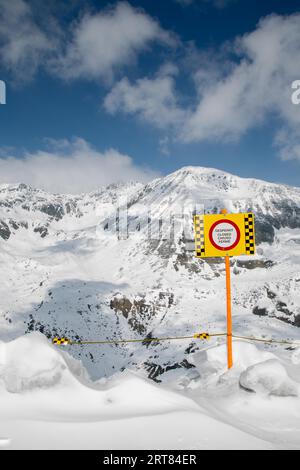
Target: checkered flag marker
column 249, row 234
column 61, row 341
column 202, row 336
column 199, row 235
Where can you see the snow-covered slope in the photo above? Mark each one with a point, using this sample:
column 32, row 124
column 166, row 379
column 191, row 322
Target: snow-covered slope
column 65, row 271
column 48, row 402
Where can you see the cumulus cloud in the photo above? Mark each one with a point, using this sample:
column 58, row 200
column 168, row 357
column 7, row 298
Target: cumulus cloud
column 287, row 141
column 71, row 167
column 105, row 41
column 243, row 85
column 93, row 47
column 164, row 146
column 256, row 89
column 152, row 100
column 23, row 44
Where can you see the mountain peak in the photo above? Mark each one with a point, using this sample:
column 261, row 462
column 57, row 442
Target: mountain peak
column 194, row 179
column 198, row 170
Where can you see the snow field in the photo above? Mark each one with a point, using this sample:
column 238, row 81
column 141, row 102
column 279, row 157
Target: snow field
column 47, row 401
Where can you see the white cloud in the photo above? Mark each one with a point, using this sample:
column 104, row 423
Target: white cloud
column 105, row 41
column 287, row 142
column 152, row 100
column 231, row 98
column 253, row 90
column 23, row 43
column 93, row 47
column 71, row 167
column 164, row 146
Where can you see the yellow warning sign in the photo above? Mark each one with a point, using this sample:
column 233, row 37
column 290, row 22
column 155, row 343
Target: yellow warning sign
column 224, row 235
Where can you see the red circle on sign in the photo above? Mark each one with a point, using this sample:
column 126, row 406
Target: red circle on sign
column 224, row 221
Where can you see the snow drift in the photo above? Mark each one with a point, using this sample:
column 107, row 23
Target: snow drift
column 270, row 378
column 47, row 393
column 29, row 363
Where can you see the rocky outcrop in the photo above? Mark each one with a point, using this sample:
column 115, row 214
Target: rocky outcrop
column 156, row 370
column 261, row 312
column 5, row 232
column 264, row 230
column 255, row 263
column 42, row 230
column 53, row 210
column 276, row 307
column 139, row 311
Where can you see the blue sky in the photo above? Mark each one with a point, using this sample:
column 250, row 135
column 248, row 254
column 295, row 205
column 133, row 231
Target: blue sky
column 106, row 91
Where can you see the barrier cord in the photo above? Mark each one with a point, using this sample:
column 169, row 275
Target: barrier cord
column 268, row 341
column 202, row 336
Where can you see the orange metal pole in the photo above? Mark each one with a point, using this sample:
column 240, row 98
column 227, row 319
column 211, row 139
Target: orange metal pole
column 229, row 319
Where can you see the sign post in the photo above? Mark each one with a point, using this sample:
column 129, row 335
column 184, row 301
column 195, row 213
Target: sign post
column 225, row 235
column 229, row 318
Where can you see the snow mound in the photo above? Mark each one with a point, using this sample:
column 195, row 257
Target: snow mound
column 4, row 442
column 268, row 378
column 30, row 362
column 296, row 357
column 254, row 370
column 55, row 387
column 46, row 401
column 214, row 360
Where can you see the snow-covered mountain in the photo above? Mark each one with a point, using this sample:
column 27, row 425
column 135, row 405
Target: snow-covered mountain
column 82, row 267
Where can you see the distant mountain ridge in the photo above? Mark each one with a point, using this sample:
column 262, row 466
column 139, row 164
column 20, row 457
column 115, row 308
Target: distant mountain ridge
column 64, row 272
column 275, row 205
